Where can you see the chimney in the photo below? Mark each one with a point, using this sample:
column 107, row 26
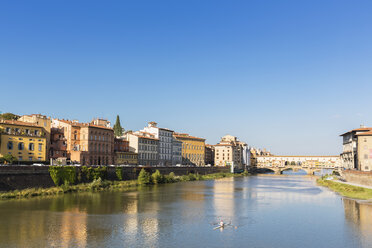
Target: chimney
column 362, row 126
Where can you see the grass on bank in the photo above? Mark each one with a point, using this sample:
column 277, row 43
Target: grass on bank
column 350, row 191
column 100, row 185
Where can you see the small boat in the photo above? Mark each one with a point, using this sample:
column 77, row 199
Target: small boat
column 218, row 227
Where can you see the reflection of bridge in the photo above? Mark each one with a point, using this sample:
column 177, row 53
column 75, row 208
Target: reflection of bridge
column 309, row 164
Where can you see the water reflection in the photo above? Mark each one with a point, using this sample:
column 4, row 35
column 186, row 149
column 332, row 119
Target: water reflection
column 359, row 217
column 183, row 214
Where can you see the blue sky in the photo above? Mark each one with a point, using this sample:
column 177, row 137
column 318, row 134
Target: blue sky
column 286, row 75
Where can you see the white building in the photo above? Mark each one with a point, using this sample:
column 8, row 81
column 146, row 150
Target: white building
column 146, row 145
column 165, row 137
column 350, row 146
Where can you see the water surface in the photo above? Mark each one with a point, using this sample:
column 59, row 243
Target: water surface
column 264, row 211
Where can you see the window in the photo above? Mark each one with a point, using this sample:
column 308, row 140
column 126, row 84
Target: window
column 20, row 158
column 365, row 156
column 10, row 145
column 36, row 132
column 40, row 147
column 30, row 158
column 7, row 129
column 21, row 146
column 31, row 147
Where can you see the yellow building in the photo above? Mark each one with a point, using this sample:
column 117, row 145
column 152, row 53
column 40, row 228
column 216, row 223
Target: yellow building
column 41, row 121
column 127, row 158
column 193, row 149
column 25, row 141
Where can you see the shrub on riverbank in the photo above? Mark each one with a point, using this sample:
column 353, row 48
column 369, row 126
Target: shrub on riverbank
column 69, row 175
column 346, row 189
column 99, row 184
column 144, row 177
column 157, row 177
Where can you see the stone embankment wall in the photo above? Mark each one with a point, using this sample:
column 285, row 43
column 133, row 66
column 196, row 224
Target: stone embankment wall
column 358, row 177
column 21, row 177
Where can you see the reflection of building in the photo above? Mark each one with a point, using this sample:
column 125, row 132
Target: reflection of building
column 165, row 137
column 192, row 149
column 146, row 145
column 360, row 215
column 87, row 143
column 209, row 154
column 357, row 149
column 25, row 141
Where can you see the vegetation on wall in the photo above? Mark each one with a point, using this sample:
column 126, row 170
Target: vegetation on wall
column 69, row 175
column 8, row 159
column 119, row 173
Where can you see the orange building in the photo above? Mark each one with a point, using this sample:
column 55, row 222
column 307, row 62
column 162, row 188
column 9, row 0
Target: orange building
column 87, row 143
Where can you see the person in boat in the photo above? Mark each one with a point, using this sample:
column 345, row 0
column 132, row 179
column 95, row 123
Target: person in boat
column 222, row 224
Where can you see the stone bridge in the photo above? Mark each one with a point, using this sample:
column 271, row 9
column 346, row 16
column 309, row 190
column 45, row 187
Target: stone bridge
column 309, row 164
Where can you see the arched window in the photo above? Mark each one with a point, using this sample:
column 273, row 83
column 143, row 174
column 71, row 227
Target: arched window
column 10, row 145
column 21, row 146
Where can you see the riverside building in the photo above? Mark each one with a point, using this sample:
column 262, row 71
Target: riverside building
column 146, row 145
column 357, row 149
column 24, row 141
column 229, row 152
column 87, row 143
column 193, row 149
column 165, row 137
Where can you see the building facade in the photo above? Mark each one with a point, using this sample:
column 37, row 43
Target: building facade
column 165, row 137
column 43, row 122
column 122, row 154
column 209, row 154
column 352, row 145
column 24, row 141
column 304, row 161
column 87, row 143
column 58, row 144
column 193, row 149
column 146, row 145
column 229, row 152
column 176, row 151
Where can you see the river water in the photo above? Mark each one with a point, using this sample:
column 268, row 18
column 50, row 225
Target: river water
column 263, row 211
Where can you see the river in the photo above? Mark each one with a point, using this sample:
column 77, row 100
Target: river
column 263, row 211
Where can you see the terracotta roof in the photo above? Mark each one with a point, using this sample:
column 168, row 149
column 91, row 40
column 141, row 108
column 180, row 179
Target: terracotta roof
column 223, row 145
column 186, row 136
column 362, row 129
column 78, row 124
column 19, row 123
column 365, row 133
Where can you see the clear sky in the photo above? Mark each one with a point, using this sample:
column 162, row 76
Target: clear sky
column 286, row 75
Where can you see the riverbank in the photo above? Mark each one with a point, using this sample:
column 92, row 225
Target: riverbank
column 103, row 185
column 347, row 190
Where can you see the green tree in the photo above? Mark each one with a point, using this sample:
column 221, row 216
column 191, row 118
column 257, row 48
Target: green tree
column 9, row 116
column 144, row 177
column 157, row 177
column 118, row 130
column 9, row 159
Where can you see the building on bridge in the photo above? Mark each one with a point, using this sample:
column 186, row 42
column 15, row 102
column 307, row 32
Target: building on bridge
column 357, row 149
column 314, row 162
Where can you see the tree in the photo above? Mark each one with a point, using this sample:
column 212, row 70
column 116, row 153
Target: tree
column 118, row 130
column 9, row 159
column 144, row 177
column 9, row 116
